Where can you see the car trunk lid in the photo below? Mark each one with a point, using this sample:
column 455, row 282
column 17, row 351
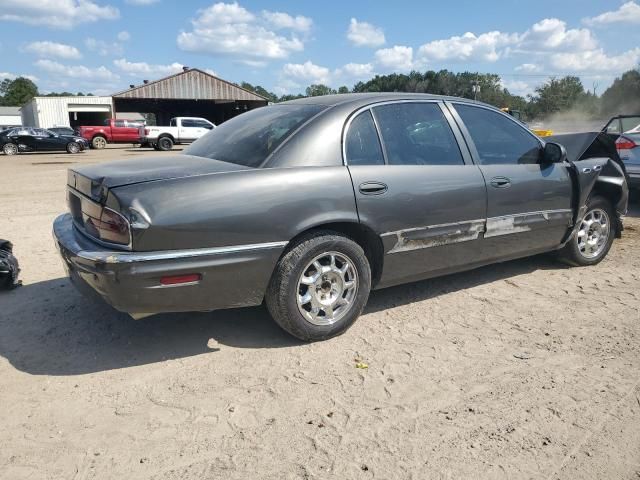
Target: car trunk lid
column 95, row 181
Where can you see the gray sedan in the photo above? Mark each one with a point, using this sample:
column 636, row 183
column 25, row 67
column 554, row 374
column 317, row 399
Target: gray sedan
column 308, row 205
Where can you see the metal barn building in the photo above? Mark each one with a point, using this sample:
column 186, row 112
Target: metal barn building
column 190, row 93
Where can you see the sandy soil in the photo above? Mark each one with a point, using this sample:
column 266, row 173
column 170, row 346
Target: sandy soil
column 522, row 370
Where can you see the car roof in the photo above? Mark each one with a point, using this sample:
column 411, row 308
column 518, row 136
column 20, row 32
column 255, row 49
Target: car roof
column 361, row 99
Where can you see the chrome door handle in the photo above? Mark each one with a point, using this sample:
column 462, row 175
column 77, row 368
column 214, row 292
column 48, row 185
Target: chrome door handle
column 372, row 188
column 500, row 182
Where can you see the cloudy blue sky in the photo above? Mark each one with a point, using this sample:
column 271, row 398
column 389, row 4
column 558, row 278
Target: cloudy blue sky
column 102, row 46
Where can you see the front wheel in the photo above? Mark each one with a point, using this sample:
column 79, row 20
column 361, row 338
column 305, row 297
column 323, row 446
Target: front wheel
column 319, row 287
column 73, row 147
column 593, row 238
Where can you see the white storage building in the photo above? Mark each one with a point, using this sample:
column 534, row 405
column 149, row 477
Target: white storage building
column 47, row 112
column 10, row 116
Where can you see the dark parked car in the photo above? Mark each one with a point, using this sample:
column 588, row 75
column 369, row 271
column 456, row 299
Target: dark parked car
column 311, row 203
column 28, row 139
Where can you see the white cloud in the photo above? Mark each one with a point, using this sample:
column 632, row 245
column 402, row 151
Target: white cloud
column 281, row 20
column 77, row 71
column 104, row 48
column 355, row 71
column 596, row 61
column 211, row 72
column 363, row 34
column 518, row 87
column 552, row 34
column 140, row 69
column 528, row 68
column 485, row 47
column 52, row 49
column 230, row 29
column 307, row 71
column 397, row 57
column 141, row 3
column 13, row 76
column 627, row 13
column 56, row 13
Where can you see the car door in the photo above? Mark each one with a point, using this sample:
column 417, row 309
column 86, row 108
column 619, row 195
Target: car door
column 50, row 141
column 528, row 202
column 416, row 188
column 119, row 131
column 187, row 130
column 25, row 138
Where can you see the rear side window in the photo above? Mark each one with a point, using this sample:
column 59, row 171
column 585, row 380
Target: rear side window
column 498, row 139
column 188, row 123
column 362, row 143
column 630, row 124
column 120, row 123
column 417, row 134
column 251, row 137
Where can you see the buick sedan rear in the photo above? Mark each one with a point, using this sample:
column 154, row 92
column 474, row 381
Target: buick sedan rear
column 310, row 204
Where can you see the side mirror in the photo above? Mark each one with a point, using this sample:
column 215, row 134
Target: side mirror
column 553, row 153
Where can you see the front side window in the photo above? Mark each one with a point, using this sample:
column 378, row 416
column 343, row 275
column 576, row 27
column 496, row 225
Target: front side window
column 251, row 137
column 498, row 139
column 417, row 134
column 362, row 145
column 188, row 123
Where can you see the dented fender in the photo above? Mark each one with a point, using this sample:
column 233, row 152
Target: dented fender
column 594, row 174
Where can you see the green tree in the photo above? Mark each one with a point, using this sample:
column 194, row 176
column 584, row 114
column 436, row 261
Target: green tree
column 17, row 92
column 318, row 89
column 623, row 96
column 557, row 94
column 272, row 97
column 343, row 89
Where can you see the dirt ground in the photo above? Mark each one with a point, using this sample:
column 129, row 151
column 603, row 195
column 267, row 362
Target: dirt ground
column 523, row 370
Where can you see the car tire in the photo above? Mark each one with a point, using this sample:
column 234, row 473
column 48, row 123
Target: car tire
column 315, row 304
column 10, row 149
column 73, row 147
column 594, row 236
column 98, row 142
column 165, row 144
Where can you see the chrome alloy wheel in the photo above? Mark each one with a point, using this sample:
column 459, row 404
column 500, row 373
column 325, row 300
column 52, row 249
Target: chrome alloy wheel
column 594, row 233
column 327, row 288
column 10, row 149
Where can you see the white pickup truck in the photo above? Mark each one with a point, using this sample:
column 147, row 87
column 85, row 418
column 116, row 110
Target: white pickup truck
column 180, row 130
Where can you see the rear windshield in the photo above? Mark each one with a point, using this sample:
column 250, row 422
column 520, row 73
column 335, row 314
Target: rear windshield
column 251, row 137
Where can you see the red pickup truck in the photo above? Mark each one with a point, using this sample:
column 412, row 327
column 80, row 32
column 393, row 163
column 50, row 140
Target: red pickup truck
column 113, row 131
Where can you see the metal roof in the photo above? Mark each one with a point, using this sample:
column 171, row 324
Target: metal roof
column 190, row 84
column 10, row 111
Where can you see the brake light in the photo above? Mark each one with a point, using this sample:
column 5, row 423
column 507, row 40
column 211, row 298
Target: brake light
column 110, row 227
column 625, row 143
column 146, row 131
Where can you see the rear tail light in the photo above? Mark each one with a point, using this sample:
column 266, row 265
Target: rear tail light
column 625, row 143
column 146, row 131
column 99, row 222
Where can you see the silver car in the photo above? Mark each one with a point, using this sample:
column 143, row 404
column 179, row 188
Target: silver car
column 627, row 127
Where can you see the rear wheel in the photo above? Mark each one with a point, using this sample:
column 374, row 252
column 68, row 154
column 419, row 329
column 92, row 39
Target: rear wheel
column 165, row 144
column 594, row 236
column 10, row 149
column 73, row 147
column 319, row 287
column 99, row 142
